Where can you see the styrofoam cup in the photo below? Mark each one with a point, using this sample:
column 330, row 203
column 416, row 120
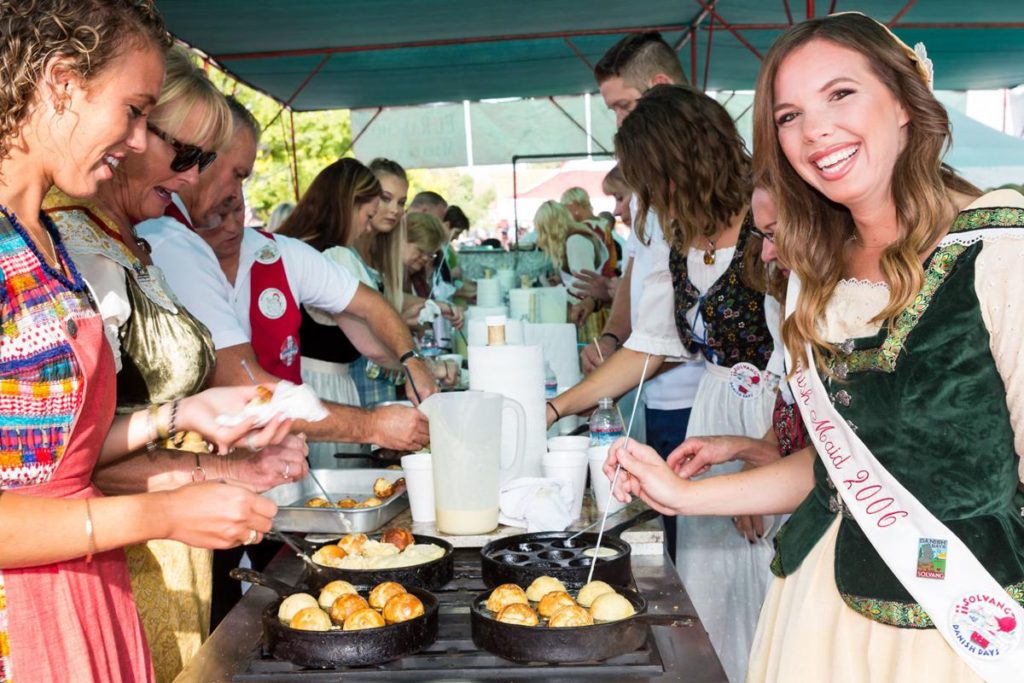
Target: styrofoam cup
column 596, row 455
column 569, row 443
column 569, row 466
column 419, row 482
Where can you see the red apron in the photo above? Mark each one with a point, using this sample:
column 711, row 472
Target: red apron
column 273, row 315
column 73, row 620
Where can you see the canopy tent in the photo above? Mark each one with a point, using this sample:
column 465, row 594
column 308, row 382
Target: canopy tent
column 330, row 54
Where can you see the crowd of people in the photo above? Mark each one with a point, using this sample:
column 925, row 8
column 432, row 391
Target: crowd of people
column 842, row 293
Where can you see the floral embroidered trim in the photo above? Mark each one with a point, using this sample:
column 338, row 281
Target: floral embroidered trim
column 989, row 217
column 907, row 614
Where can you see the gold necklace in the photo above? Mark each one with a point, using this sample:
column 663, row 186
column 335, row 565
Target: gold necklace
column 709, row 253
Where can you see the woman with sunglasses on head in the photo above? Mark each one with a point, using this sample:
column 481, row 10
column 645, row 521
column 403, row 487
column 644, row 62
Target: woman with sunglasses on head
column 162, row 353
column 904, row 557
column 82, row 77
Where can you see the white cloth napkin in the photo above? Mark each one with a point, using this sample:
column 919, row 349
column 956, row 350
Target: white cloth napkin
column 536, row 503
column 429, row 312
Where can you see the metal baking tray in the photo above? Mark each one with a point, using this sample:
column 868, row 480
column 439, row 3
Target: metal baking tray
column 293, row 515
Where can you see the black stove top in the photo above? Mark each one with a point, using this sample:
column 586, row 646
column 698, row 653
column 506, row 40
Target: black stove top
column 453, row 655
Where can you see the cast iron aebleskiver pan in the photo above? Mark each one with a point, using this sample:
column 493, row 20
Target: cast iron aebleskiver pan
column 524, row 557
column 322, row 649
column 560, row 645
column 429, row 575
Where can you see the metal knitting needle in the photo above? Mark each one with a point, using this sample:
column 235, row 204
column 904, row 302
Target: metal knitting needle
column 598, row 347
column 589, row 527
column 618, row 468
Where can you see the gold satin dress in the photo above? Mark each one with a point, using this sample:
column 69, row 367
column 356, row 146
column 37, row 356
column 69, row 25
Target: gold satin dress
column 165, row 354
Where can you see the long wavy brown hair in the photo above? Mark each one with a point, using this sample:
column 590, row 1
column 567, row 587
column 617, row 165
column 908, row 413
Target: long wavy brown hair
column 90, row 33
column 323, row 217
column 813, row 230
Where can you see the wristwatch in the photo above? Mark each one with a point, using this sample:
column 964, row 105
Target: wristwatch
column 409, row 355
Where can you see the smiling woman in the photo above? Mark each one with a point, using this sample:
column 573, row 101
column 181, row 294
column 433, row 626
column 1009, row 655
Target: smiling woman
column 161, row 351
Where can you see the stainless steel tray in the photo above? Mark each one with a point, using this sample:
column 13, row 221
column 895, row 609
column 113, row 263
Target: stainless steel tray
column 293, row 515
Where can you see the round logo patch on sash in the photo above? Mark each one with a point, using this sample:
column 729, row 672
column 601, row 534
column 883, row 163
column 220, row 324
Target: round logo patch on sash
column 272, row 303
column 746, row 381
column 268, row 253
column 985, row 626
column 289, row 351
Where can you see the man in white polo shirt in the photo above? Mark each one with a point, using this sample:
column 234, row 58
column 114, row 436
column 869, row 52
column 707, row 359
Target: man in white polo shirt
column 194, row 273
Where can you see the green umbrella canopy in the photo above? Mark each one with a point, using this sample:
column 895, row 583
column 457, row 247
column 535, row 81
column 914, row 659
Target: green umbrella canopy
column 336, row 54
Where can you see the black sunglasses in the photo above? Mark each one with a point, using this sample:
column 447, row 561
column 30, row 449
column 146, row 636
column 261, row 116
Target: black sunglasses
column 763, row 235
column 185, row 156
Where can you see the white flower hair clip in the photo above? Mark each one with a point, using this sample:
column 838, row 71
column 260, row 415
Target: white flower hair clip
column 924, row 65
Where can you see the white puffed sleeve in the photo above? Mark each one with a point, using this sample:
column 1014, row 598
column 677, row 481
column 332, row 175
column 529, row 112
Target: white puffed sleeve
column 999, row 282
column 655, row 329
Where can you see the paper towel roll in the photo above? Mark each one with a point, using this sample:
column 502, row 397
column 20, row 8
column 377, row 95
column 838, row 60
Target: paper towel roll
column 488, row 292
column 477, row 333
column 552, row 305
column 560, row 350
column 522, row 304
column 516, row 372
column 481, row 312
column 507, row 279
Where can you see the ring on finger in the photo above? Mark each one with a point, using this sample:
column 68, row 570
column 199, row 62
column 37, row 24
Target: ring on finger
column 287, row 474
column 251, row 538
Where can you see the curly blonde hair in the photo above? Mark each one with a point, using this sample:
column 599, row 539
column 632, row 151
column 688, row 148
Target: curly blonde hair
column 91, row 33
column 813, row 230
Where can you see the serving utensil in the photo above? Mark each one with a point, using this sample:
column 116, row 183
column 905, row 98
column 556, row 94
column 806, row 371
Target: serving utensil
column 618, row 468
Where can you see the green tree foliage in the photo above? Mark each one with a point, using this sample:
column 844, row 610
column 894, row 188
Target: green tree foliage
column 321, row 137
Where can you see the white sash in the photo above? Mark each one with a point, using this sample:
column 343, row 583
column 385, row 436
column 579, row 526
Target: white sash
column 970, row 609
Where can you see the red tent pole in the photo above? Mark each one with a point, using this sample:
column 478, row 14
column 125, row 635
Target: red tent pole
column 789, row 13
column 693, row 57
column 810, row 9
column 707, row 56
column 899, row 15
column 302, row 86
column 360, row 133
column 305, row 52
column 832, row 7
column 728, row 27
column 576, row 50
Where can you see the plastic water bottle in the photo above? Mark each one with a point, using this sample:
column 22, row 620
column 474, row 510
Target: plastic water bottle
column 606, row 424
column 550, row 382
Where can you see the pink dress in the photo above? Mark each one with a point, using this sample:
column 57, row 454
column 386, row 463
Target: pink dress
column 71, row 620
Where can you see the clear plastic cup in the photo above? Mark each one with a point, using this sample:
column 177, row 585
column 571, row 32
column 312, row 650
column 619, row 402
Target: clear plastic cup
column 571, row 467
column 419, row 482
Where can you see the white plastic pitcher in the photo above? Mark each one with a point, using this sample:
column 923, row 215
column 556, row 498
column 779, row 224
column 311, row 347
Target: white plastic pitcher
column 465, row 445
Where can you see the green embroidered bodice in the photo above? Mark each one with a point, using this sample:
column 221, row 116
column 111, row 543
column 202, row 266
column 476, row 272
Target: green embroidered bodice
column 926, row 398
